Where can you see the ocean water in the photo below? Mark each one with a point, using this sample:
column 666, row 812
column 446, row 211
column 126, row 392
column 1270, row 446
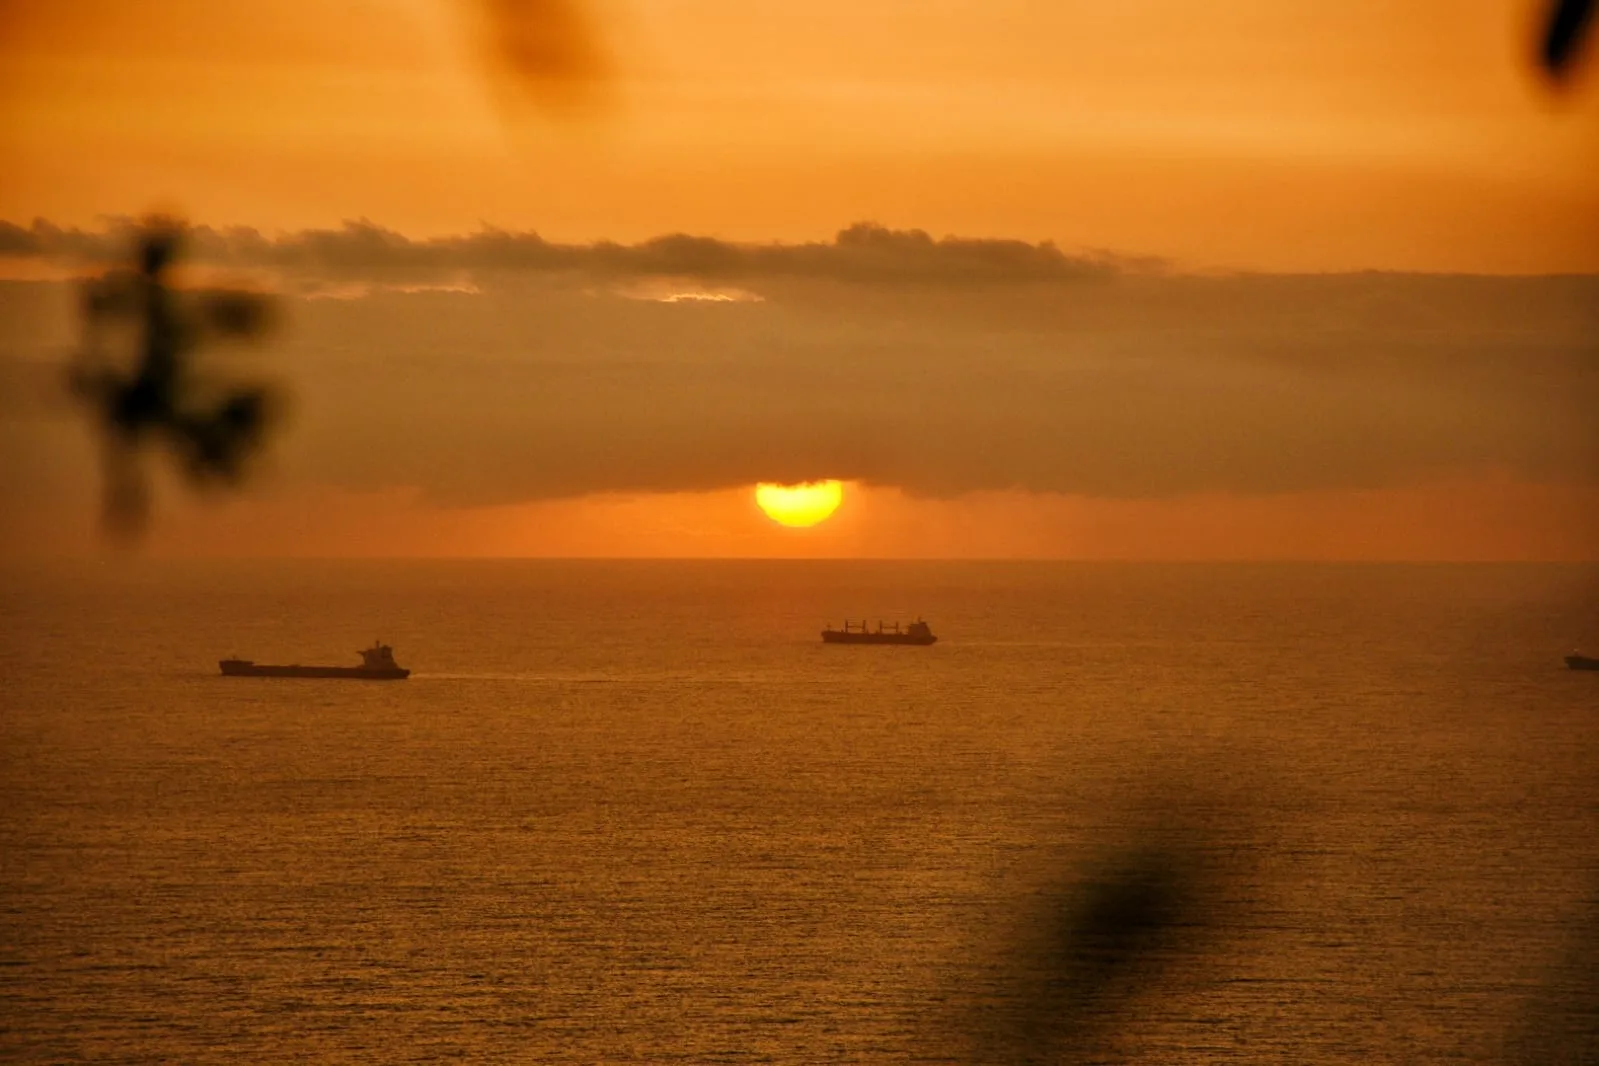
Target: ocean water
column 637, row 812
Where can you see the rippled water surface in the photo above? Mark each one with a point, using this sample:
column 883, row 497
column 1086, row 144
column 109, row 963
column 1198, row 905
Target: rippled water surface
column 638, row 812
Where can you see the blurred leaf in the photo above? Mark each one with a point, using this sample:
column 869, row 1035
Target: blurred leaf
column 1566, row 34
column 235, row 314
column 160, row 397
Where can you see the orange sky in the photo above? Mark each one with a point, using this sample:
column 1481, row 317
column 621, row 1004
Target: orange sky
column 1483, row 519
column 1248, row 133
column 1237, row 134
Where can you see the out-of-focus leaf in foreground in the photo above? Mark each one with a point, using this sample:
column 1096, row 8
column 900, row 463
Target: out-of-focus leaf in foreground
column 546, row 52
column 155, row 396
column 1565, row 35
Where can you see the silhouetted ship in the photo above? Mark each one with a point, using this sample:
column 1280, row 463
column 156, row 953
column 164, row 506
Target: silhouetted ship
column 915, row 633
column 1582, row 662
column 377, row 664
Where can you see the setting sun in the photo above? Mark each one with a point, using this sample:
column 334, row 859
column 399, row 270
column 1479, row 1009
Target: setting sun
column 799, row 505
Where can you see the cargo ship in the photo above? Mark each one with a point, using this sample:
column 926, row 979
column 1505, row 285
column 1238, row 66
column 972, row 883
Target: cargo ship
column 377, row 664
column 852, row 633
column 1582, row 662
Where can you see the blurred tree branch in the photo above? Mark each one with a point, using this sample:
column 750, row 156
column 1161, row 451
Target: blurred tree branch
column 1566, row 31
column 160, row 399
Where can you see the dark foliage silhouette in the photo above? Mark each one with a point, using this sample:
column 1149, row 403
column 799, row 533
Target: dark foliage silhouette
column 161, row 399
column 1086, row 947
column 545, row 49
column 1566, row 31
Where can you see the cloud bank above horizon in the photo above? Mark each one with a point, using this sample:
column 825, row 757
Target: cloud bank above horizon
column 366, row 253
column 941, row 367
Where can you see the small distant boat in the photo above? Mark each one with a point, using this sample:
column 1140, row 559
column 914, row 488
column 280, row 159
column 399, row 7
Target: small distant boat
column 1582, row 662
column 377, row 664
column 916, row 632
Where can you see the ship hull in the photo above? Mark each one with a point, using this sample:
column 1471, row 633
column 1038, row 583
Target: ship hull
column 1582, row 662
column 834, row 636
column 243, row 668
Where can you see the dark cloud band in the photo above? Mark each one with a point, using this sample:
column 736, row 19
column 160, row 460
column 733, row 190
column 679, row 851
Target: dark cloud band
column 364, row 252
column 941, row 366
